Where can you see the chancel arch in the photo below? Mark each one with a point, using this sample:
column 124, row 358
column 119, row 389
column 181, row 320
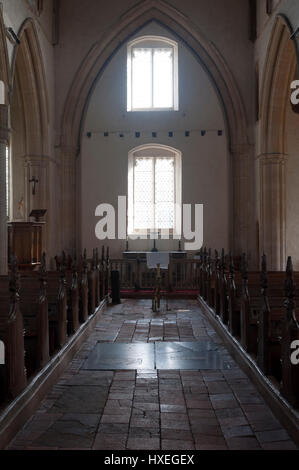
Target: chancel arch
column 224, row 85
column 110, row 133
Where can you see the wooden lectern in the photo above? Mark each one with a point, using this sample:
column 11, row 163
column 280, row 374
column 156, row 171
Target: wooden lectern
column 25, row 241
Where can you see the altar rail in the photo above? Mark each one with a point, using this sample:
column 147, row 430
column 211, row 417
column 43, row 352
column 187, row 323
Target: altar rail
column 182, row 275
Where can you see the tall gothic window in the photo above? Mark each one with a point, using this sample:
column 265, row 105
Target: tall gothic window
column 154, row 190
column 152, row 74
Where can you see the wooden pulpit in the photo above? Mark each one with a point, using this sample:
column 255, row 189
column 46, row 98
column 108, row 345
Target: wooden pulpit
column 25, row 240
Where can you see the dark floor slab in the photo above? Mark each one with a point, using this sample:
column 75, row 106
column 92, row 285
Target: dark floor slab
column 204, row 355
column 120, row 356
column 191, row 356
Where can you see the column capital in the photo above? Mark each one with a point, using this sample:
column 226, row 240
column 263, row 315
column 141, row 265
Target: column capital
column 272, row 158
column 37, row 160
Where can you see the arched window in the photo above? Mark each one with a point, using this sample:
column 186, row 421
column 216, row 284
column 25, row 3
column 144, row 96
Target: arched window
column 154, row 190
column 152, row 74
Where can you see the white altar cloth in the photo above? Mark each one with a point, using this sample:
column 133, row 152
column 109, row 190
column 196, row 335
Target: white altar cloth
column 153, row 258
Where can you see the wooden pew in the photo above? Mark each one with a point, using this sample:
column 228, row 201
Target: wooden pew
column 271, row 321
column 83, row 289
column 13, row 377
column 217, row 283
column 68, row 270
column 107, row 275
column 79, row 302
column 102, row 275
column 92, row 280
column 34, row 306
column 57, row 306
column 260, row 312
column 290, row 372
column 73, row 294
column 252, row 301
column 234, row 286
column 223, row 289
column 210, row 280
column 97, row 276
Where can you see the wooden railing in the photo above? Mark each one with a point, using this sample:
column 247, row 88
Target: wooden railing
column 182, row 274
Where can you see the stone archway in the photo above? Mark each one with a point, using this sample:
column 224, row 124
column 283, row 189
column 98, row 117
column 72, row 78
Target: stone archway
column 29, row 123
column 223, row 80
column 278, row 74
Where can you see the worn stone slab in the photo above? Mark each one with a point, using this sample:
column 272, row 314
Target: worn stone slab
column 106, row 356
column 71, row 431
column 82, row 399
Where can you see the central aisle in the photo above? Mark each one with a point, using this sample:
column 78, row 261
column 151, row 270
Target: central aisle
column 109, row 399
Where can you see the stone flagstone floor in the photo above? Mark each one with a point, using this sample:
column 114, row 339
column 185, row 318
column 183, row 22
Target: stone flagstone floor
column 152, row 409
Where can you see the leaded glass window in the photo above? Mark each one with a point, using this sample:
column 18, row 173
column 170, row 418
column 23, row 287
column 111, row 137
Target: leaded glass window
column 154, row 193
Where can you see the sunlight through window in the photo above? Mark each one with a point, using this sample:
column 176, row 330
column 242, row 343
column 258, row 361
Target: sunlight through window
column 154, row 196
column 154, row 193
column 152, row 74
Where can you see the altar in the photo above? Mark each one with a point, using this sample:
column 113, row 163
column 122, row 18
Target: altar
column 142, row 255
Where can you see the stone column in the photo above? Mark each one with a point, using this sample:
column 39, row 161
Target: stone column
column 3, row 192
column 273, row 209
column 242, row 194
column 69, row 199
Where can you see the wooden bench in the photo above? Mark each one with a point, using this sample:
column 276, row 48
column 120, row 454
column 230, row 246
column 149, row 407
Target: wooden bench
column 13, row 373
column 57, row 306
column 260, row 313
column 34, row 307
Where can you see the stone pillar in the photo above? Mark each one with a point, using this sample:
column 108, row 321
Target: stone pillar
column 273, row 209
column 242, row 194
column 3, row 192
column 70, row 199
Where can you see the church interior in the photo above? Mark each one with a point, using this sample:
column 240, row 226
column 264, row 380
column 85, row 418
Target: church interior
column 149, row 225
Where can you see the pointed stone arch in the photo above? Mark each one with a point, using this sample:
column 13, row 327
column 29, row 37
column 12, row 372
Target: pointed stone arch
column 220, row 75
column 29, row 126
column 278, row 72
column 279, row 69
column 28, row 59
